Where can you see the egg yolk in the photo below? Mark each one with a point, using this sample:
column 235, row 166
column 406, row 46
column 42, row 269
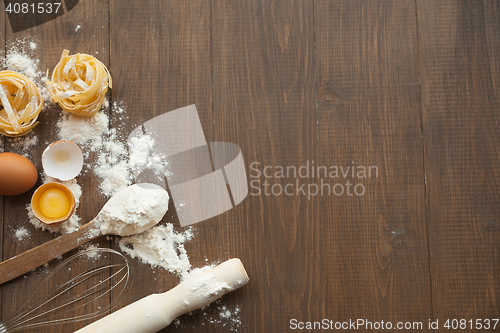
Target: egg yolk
column 54, row 203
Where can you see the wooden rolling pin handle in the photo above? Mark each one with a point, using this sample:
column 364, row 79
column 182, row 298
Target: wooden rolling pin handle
column 155, row 312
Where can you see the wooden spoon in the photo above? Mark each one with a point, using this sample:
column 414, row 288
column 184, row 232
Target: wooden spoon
column 31, row 259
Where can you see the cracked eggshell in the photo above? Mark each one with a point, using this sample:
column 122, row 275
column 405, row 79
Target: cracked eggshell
column 62, row 160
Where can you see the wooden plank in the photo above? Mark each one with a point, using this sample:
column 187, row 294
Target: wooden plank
column 263, row 73
column 84, row 29
column 460, row 68
column 2, row 145
column 374, row 246
column 160, row 61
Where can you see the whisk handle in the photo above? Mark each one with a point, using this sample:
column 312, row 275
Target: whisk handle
column 31, row 259
column 155, row 312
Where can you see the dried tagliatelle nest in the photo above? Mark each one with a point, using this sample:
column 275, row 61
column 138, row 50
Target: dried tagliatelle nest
column 79, row 83
column 21, row 103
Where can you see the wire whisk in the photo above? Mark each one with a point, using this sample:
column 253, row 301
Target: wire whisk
column 74, row 290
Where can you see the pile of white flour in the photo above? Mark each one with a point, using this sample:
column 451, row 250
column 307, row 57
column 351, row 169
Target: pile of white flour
column 114, row 164
column 133, row 210
column 22, row 233
column 160, row 246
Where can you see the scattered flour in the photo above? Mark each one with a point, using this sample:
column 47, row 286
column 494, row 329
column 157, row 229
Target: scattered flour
column 229, row 317
column 84, row 131
column 21, row 58
column 22, row 63
column 25, row 142
column 22, row 233
column 93, row 134
column 225, row 313
column 23, row 145
column 106, row 103
column 114, row 164
column 118, row 107
column 67, row 226
column 143, row 155
column 91, row 251
column 140, row 151
column 160, row 246
column 219, row 314
column 114, row 177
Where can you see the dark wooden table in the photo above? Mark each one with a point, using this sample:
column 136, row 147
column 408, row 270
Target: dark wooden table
column 409, row 87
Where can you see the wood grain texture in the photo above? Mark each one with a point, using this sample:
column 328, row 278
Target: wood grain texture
column 375, row 262
column 409, row 87
column 93, row 38
column 2, row 143
column 460, row 75
column 162, row 62
column 263, row 101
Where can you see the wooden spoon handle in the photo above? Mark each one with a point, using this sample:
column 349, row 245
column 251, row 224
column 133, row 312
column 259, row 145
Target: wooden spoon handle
column 31, row 259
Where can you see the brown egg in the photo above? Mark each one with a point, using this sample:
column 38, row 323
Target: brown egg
column 17, row 174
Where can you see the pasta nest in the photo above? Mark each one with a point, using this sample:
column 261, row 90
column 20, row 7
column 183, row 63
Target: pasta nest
column 79, row 83
column 21, row 101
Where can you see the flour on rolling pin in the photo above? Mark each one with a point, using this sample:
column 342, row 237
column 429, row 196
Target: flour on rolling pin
column 157, row 311
column 207, row 285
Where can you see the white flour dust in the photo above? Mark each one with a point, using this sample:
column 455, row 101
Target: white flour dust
column 218, row 314
column 22, row 233
column 21, row 58
column 24, row 145
column 206, row 284
column 84, row 131
column 91, row 251
column 140, row 151
column 114, row 163
column 160, row 246
column 93, row 135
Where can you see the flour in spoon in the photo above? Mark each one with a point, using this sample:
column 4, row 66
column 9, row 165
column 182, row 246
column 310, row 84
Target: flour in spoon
column 132, row 210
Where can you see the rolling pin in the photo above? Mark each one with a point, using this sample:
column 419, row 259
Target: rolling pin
column 155, row 312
